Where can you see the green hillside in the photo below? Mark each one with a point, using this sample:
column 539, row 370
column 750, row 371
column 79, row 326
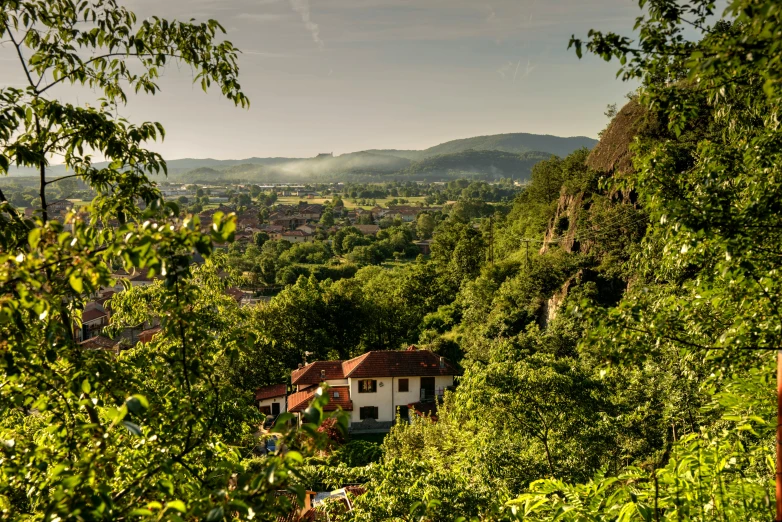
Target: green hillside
column 486, row 164
column 445, row 160
column 517, row 142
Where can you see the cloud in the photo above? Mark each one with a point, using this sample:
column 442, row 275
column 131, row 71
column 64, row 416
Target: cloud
column 530, row 67
column 492, row 15
column 262, row 17
column 303, row 8
column 505, row 69
column 264, row 54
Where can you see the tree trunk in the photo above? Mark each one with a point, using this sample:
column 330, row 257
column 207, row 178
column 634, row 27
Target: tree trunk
column 548, row 455
column 44, row 212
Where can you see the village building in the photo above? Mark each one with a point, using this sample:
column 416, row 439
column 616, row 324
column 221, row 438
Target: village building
column 374, row 387
column 368, row 230
column 424, row 246
column 272, row 400
column 59, row 207
column 307, row 229
column 93, row 319
column 288, row 222
column 101, row 342
column 296, row 236
column 407, row 213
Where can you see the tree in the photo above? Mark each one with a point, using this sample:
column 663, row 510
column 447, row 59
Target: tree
column 707, row 169
column 150, row 432
column 425, row 226
column 259, row 238
column 35, row 127
column 327, row 219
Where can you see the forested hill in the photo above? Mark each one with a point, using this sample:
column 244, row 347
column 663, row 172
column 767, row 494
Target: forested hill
column 486, row 157
column 517, row 142
column 483, row 157
column 484, row 163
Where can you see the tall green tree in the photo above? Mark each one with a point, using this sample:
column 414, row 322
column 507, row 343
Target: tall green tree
column 153, row 433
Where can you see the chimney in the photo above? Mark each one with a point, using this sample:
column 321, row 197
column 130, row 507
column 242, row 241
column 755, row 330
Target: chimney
column 301, row 366
column 442, row 363
column 323, row 375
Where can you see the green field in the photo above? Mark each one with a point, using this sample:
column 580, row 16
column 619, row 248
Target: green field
column 294, row 200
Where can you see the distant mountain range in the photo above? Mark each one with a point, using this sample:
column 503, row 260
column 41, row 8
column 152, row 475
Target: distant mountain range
column 484, row 157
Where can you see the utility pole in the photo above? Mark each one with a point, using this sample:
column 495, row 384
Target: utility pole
column 779, row 439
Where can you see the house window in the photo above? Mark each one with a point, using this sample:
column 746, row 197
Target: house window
column 404, row 412
column 275, row 408
column 367, row 412
column 404, row 385
column 367, row 386
column 336, row 395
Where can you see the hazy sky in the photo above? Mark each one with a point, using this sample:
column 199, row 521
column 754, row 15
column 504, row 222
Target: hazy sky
column 346, row 75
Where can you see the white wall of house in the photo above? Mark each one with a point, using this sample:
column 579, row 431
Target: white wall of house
column 387, row 395
column 278, row 400
column 381, row 398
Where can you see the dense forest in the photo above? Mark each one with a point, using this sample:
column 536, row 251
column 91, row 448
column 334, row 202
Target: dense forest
column 614, row 325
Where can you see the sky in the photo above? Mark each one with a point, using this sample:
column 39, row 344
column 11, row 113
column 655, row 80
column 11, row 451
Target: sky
column 346, row 75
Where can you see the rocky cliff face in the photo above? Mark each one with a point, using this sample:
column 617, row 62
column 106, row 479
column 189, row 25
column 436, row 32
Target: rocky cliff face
column 605, row 290
column 563, row 227
column 583, row 218
column 551, row 307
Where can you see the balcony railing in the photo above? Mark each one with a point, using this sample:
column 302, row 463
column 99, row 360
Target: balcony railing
column 432, row 395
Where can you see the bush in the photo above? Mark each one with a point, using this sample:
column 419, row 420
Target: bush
column 358, row 453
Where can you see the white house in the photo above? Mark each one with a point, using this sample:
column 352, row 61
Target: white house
column 272, row 400
column 375, row 386
column 296, row 236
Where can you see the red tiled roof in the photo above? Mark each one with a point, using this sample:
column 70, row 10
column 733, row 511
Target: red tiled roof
column 310, row 374
column 387, row 363
column 147, row 335
column 394, row 363
column 92, row 315
column 294, row 399
column 355, row 490
column 299, row 401
column 368, row 229
column 349, row 366
column 106, row 296
column 425, row 409
column 270, row 392
column 142, row 275
column 100, row 342
column 236, row 293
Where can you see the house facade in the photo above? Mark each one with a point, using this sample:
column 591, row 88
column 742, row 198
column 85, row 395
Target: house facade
column 272, row 400
column 375, row 386
column 93, row 319
column 296, row 236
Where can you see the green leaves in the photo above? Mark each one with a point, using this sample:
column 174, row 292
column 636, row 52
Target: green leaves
column 75, row 281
